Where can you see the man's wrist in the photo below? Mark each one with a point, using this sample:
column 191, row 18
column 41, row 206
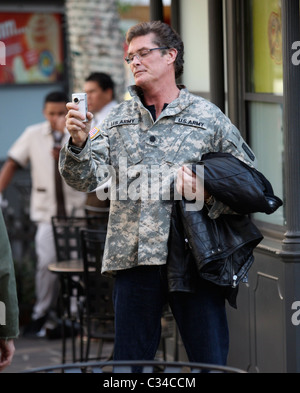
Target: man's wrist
column 76, row 149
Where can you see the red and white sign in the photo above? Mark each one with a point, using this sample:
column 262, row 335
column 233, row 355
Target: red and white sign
column 33, row 48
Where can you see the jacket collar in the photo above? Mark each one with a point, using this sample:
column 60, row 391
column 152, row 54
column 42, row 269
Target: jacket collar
column 184, row 99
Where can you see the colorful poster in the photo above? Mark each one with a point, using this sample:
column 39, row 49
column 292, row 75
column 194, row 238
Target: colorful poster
column 267, row 43
column 33, row 48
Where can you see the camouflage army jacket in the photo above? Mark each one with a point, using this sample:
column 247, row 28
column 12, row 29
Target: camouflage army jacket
column 142, row 156
column 9, row 309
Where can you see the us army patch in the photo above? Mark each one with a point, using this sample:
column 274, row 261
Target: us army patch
column 190, row 122
column 123, row 122
column 94, row 132
column 248, row 151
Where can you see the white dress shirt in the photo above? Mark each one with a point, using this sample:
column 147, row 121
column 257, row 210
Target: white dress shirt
column 35, row 146
column 101, row 115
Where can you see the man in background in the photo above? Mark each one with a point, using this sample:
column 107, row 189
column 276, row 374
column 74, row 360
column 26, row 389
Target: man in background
column 99, row 88
column 39, row 145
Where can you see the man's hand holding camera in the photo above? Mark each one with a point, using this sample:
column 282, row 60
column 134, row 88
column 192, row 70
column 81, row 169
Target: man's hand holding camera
column 78, row 129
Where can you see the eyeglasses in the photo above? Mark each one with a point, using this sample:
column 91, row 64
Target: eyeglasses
column 141, row 54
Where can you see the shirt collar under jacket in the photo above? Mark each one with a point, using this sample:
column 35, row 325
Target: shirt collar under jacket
column 184, row 99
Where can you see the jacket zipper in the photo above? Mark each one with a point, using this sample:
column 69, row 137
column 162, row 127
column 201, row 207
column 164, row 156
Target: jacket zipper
column 235, row 277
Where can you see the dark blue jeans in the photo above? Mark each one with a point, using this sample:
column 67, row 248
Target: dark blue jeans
column 139, row 297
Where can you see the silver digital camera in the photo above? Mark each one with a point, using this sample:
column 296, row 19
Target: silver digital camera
column 80, row 99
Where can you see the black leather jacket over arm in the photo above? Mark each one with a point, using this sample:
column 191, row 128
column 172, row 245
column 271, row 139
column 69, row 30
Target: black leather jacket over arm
column 220, row 249
column 244, row 189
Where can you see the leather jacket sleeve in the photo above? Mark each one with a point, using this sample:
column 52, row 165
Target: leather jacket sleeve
column 242, row 188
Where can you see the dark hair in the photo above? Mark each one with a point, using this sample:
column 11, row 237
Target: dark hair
column 56, row 96
column 165, row 35
column 104, row 81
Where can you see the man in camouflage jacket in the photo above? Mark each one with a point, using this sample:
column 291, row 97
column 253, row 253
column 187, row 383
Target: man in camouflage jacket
column 143, row 145
column 9, row 310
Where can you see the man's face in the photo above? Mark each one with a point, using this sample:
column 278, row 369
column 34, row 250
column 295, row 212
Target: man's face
column 55, row 112
column 151, row 68
column 97, row 98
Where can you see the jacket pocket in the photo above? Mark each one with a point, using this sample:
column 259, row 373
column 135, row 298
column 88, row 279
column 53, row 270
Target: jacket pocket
column 125, row 137
column 190, row 142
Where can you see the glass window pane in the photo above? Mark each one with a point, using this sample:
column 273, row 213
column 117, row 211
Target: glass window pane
column 264, row 46
column 266, row 128
column 194, row 32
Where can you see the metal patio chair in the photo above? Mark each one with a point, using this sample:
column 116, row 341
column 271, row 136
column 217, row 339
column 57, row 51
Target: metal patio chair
column 69, row 267
column 97, row 316
column 131, row 366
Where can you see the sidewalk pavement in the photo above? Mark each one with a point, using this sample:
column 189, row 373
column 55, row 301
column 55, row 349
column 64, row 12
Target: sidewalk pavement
column 40, row 352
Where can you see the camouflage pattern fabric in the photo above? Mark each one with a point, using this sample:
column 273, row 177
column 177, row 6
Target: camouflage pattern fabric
column 136, row 151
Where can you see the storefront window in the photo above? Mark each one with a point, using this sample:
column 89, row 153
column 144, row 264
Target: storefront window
column 266, row 129
column 264, row 93
column 194, row 32
column 264, row 54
